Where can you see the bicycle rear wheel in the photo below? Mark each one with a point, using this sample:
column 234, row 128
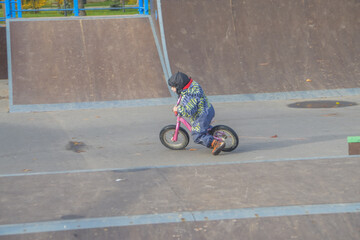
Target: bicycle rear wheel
column 167, row 133
column 228, row 135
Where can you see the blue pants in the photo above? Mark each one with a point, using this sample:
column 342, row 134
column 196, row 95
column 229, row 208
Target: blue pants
column 200, row 128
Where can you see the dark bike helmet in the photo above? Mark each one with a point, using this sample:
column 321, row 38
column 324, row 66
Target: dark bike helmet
column 178, row 80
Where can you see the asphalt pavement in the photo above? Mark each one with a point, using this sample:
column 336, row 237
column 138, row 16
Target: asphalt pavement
column 61, row 168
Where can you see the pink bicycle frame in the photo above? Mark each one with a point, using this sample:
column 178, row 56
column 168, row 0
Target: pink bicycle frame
column 180, row 120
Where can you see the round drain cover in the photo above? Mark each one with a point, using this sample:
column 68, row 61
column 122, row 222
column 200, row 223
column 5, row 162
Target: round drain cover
column 321, row 104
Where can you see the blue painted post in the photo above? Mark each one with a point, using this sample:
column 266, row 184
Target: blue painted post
column 19, row 8
column 7, row 9
column 141, row 6
column 13, row 13
column 146, row 7
column 76, row 8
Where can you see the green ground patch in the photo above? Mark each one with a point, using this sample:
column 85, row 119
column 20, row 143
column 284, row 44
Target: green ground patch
column 354, row 139
column 105, row 4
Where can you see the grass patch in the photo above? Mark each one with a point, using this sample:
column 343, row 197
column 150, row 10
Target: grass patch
column 88, row 13
column 105, row 4
column 94, row 4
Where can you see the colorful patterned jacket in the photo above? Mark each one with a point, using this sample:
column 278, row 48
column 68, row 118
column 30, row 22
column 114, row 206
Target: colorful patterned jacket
column 193, row 102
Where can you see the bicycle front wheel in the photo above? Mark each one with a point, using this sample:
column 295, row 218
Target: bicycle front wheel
column 167, row 134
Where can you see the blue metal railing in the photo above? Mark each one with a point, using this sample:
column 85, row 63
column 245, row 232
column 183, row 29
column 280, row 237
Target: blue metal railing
column 13, row 8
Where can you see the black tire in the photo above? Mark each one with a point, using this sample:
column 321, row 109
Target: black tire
column 168, row 132
column 229, row 135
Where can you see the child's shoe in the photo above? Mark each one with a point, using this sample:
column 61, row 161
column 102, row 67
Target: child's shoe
column 217, row 146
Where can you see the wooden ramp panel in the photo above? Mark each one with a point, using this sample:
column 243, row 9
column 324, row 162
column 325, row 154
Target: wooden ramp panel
column 85, row 60
column 3, row 54
column 256, row 46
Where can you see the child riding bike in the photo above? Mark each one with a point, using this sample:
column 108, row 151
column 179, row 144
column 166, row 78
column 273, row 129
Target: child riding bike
column 196, row 106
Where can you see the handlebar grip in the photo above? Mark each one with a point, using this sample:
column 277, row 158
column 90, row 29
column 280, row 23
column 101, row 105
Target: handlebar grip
column 176, row 113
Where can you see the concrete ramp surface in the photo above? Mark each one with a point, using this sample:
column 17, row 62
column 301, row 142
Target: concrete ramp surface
column 233, row 48
column 255, row 46
column 77, row 60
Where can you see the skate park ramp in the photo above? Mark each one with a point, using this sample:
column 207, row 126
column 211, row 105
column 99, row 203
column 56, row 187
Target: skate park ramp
column 237, row 50
column 83, row 62
column 255, row 46
column 3, row 54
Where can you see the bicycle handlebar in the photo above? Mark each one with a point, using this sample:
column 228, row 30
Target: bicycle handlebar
column 177, row 104
column 178, row 101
